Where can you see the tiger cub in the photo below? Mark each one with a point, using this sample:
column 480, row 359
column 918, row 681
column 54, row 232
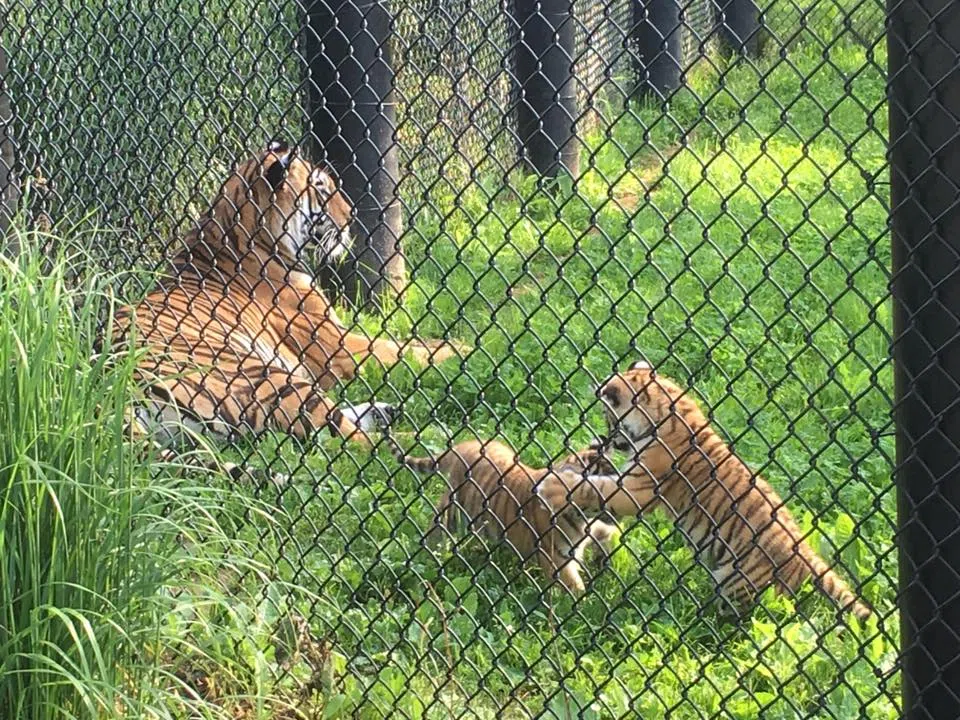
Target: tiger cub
column 729, row 514
column 491, row 491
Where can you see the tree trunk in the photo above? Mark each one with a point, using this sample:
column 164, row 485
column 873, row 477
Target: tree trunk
column 9, row 188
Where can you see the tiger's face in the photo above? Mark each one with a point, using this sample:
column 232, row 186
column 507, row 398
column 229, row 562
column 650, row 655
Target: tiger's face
column 636, row 404
column 301, row 205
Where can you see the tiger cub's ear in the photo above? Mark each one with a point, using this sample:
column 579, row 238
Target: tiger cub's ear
column 641, row 365
column 276, row 171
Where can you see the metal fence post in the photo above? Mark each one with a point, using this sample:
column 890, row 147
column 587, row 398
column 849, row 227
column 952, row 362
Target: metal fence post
column 657, row 32
column 9, row 187
column 353, row 114
column 544, row 60
column 740, row 26
column 924, row 101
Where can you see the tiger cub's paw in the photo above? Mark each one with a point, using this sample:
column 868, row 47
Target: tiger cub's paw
column 590, row 461
column 372, row 415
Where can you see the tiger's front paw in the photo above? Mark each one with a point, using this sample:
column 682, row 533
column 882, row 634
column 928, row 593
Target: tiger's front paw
column 371, row 416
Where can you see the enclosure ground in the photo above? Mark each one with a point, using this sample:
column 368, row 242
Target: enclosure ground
column 738, row 242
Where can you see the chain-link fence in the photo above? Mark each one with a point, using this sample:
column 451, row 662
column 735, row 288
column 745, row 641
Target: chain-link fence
column 575, row 186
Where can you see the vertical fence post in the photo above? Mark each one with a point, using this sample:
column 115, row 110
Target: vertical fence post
column 740, row 26
column 9, row 187
column 353, row 115
column 544, row 61
column 924, row 101
column 657, row 33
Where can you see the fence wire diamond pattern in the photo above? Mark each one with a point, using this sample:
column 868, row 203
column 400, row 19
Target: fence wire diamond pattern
column 569, row 198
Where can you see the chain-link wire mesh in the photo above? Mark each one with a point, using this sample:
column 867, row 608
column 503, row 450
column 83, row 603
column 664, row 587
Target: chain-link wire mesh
column 730, row 229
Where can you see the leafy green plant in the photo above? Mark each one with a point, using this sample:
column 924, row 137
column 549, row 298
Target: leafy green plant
column 125, row 589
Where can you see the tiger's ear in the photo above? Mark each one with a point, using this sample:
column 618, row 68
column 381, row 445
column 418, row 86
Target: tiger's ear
column 641, row 365
column 277, row 169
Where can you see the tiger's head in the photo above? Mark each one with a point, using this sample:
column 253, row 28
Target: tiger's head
column 296, row 208
column 640, row 405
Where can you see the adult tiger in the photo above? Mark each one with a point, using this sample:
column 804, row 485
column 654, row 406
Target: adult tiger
column 732, row 517
column 241, row 339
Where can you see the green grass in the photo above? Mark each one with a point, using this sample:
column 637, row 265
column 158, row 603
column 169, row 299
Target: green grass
column 125, row 585
column 752, row 266
column 737, row 240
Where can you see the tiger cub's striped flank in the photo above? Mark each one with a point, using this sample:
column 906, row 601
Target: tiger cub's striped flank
column 731, row 517
column 491, row 492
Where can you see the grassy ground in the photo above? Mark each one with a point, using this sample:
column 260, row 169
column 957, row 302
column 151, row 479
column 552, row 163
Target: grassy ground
column 744, row 254
column 120, row 590
column 743, row 251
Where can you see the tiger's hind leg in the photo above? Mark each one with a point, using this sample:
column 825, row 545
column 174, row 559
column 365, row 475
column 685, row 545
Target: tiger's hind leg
column 264, row 397
column 735, row 590
column 301, row 410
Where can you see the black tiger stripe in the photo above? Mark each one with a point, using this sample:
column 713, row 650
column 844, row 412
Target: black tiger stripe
column 288, row 390
column 335, row 419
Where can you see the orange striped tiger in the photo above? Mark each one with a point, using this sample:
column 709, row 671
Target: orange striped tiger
column 732, row 516
column 240, row 338
column 490, row 491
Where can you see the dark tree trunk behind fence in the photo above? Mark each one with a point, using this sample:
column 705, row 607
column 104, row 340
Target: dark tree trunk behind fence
column 9, row 187
column 740, row 26
column 353, row 114
column 924, row 100
column 657, row 33
column 544, row 61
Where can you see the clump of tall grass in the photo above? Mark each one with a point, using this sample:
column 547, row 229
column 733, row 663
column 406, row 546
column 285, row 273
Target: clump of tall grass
column 121, row 578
